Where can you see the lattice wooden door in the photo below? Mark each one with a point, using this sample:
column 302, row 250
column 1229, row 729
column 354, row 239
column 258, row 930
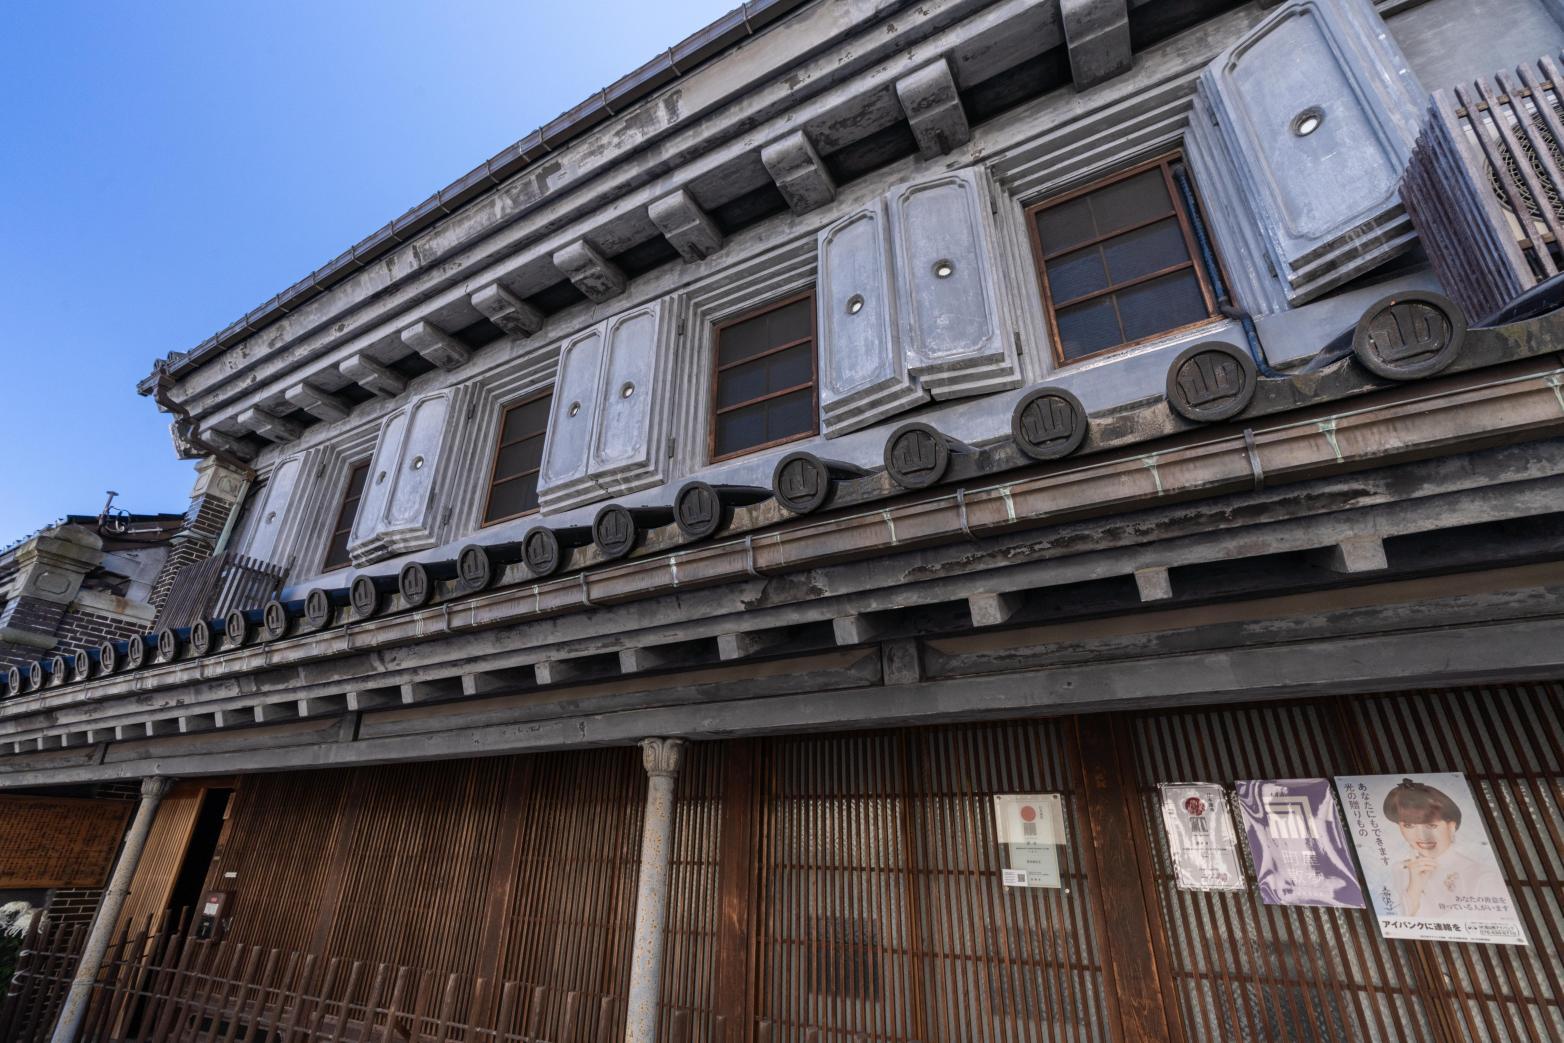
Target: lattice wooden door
column 880, row 910
column 1245, row 971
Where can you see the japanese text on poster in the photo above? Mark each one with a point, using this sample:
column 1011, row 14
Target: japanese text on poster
column 1297, row 844
column 1427, row 861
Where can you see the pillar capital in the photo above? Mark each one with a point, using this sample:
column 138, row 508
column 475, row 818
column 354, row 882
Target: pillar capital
column 662, row 757
column 155, row 787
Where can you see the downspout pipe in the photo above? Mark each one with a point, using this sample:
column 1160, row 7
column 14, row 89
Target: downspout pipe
column 1225, row 303
column 186, row 427
column 67, row 1028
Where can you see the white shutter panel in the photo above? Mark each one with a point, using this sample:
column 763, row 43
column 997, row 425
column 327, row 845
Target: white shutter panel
column 864, row 375
column 628, row 449
column 955, row 337
column 563, row 479
column 1314, row 112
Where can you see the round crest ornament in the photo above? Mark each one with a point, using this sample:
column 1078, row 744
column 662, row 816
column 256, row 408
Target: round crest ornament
column 415, row 585
column 1048, row 423
column 540, row 550
column 697, row 510
column 237, row 629
column 613, row 530
column 201, row 637
column 801, row 482
column 1409, row 336
column 1211, row 381
column 364, row 595
column 275, row 620
column 916, row 455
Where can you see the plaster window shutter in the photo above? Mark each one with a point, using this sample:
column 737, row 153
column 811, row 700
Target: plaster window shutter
column 955, row 336
column 864, row 376
column 282, row 518
column 630, row 428
column 400, row 510
column 377, row 487
column 563, row 478
column 1313, row 113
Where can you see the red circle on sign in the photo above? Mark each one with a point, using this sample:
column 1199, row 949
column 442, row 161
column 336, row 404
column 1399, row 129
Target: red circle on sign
column 1028, row 813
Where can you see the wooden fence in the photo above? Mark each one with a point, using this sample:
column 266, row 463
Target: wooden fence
column 159, row 983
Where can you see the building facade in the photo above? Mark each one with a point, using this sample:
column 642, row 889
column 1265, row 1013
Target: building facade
column 971, row 520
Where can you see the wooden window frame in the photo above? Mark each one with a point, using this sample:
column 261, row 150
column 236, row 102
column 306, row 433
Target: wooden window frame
column 1196, row 261
column 494, row 458
column 712, row 411
column 342, row 501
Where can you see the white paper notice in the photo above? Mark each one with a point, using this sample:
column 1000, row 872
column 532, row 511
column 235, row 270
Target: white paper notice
column 1201, row 838
column 1033, row 865
column 1029, row 818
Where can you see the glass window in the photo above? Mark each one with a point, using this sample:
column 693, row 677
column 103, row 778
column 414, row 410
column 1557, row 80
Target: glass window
column 513, row 484
column 764, row 388
column 1118, row 263
column 342, row 528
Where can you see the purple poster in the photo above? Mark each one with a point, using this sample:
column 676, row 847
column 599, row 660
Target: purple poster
column 1299, row 848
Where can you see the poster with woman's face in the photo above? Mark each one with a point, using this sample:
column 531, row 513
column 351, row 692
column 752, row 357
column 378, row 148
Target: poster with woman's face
column 1429, row 866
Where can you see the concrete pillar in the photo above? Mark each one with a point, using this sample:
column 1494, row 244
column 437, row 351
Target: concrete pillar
column 662, row 759
column 68, row 1026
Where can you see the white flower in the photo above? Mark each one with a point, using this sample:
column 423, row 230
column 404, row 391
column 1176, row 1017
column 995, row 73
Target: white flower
column 16, row 918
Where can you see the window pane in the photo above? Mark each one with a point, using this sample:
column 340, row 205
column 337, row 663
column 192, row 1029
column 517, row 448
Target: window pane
column 1061, row 227
column 1145, row 250
column 342, row 527
column 525, row 455
column 529, row 418
column 741, row 429
column 1131, row 201
column 741, row 383
column 790, row 368
column 1077, row 274
column 1161, row 305
column 790, row 415
column 508, row 499
column 782, row 325
column 1085, row 328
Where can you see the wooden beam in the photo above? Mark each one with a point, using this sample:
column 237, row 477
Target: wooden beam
column 1154, row 583
column 688, row 228
column 799, row 173
column 372, row 376
column 933, row 108
column 436, row 346
column 1358, row 554
column 989, row 610
column 507, row 311
column 589, row 271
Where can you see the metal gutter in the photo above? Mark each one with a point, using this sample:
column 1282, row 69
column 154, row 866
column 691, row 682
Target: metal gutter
column 703, row 45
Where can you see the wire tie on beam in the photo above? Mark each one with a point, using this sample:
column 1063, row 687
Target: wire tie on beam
column 1254, row 459
column 749, row 558
column 586, row 596
column 961, row 506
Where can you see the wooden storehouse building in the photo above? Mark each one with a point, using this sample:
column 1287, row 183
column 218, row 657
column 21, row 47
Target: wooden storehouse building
column 891, row 522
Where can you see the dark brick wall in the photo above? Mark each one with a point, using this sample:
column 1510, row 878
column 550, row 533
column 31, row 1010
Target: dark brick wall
column 84, row 628
column 197, row 537
column 73, row 905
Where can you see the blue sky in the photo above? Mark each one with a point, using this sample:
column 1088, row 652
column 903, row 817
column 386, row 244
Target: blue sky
column 167, row 166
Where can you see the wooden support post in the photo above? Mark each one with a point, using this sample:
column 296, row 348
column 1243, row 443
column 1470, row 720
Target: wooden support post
column 1116, row 849
column 662, row 759
column 735, row 884
column 1154, row 584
